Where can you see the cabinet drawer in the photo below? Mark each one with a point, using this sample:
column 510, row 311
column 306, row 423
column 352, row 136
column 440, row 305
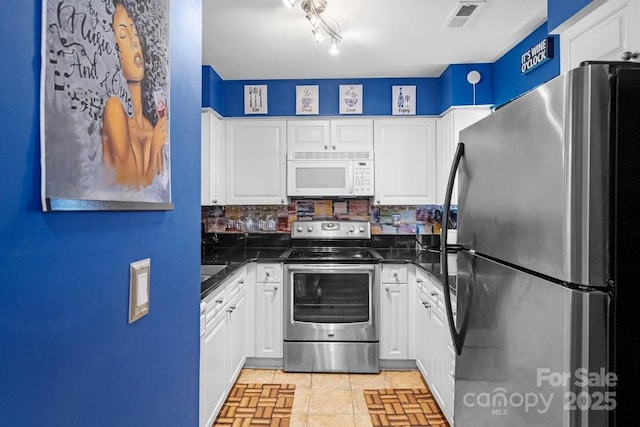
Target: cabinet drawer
column 394, row 273
column 266, row 273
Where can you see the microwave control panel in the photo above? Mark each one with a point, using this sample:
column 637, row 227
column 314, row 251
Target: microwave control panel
column 363, row 178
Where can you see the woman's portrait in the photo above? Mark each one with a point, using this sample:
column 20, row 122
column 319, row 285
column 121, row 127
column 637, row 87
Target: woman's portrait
column 132, row 145
column 105, row 86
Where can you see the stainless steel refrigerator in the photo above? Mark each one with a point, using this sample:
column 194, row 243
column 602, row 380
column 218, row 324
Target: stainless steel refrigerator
column 547, row 295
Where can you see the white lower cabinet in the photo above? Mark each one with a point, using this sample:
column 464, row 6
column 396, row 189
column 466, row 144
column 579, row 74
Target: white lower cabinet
column 268, row 312
column 435, row 356
column 213, row 384
column 223, row 327
column 394, row 300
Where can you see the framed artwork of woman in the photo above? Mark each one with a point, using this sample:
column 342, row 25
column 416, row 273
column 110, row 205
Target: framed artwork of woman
column 105, row 105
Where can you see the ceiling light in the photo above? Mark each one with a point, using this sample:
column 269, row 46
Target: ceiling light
column 323, row 25
column 289, row 3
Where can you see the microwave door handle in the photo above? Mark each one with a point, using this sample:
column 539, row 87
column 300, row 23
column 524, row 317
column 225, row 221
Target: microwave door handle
column 350, row 177
column 455, row 337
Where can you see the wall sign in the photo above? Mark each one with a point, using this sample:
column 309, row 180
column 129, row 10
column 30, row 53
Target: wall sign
column 105, row 105
column 350, row 98
column 255, row 99
column 307, row 100
column 537, row 55
column 403, row 100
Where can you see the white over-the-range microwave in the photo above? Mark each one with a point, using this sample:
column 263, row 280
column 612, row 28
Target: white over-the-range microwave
column 330, row 173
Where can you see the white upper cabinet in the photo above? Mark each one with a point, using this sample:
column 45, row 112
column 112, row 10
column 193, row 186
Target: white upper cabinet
column 212, row 189
column 405, row 156
column 308, row 135
column 330, row 135
column 604, row 34
column 449, row 127
column 256, row 162
column 352, row 135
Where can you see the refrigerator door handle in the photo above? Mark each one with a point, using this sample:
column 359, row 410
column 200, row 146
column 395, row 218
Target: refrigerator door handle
column 455, row 337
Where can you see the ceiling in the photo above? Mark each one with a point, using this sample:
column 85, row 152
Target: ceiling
column 263, row 39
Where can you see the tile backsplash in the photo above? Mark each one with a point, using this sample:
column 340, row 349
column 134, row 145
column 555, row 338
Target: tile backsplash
column 384, row 219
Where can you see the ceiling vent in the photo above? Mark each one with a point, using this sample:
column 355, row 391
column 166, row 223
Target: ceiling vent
column 465, row 10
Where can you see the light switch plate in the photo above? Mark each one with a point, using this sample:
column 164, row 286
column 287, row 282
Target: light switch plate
column 139, row 281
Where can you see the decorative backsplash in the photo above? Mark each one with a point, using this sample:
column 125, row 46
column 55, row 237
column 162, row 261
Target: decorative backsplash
column 384, row 219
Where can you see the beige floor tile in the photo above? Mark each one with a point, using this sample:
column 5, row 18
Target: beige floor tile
column 316, row 420
column 369, row 381
column 301, row 401
column 298, row 420
column 333, row 381
column 327, row 401
column 263, row 376
column 405, row 379
column 301, row 380
column 363, row 421
column 359, row 403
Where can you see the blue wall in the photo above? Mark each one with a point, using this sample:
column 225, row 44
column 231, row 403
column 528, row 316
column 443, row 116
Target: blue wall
column 509, row 83
column 68, row 357
column 559, row 11
column 212, row 89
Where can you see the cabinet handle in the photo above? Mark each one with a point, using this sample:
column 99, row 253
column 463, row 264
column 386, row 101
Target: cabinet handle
column 419, row 280
column 266, row 273
column 334, row 147
column 386, row 288
column 233, row 307
column 627, row 55
column 454, row 312
column 453, row 375
column 275, row 289
column 395, row 274
column 215, row 201
column 378, row 201
column 326, row 147
column 281, row 200
column 241, row 281
column 220, row 301
column 426, row 304
column 434, row 293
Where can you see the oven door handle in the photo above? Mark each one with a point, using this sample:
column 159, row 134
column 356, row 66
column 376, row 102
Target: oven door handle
column 327, row 268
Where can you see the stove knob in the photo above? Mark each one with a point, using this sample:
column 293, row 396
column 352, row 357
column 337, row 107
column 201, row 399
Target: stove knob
column 299, row 229
column 352, row 229
column 309, row 229
column 361, row 229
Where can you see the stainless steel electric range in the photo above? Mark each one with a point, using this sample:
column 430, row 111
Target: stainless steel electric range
column 331, row 299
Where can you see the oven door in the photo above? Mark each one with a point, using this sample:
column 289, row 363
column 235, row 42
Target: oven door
column 331, row 302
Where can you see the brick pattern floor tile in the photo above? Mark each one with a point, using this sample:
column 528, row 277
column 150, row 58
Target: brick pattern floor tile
column 250, row 405
column 403, row 408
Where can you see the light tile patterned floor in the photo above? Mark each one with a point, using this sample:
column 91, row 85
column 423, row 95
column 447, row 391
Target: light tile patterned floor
column 332, row 399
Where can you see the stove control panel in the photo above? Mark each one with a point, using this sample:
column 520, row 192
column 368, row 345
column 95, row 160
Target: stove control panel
column 331, row 230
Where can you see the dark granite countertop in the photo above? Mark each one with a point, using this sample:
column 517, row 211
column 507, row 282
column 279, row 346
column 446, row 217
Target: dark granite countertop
column 236, row 251
column 236, row 258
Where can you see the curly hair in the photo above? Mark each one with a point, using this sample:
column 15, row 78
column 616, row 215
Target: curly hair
column 152, row 25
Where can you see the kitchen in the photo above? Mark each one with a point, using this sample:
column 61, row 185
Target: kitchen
column 74, row 359
column 304, row 140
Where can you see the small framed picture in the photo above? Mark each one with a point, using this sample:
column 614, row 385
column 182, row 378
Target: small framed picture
column 350, row 98
column 307, row 100
column 403, row 100
column 255, row 99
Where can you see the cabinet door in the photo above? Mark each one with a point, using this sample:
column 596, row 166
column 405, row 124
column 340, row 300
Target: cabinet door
column 256, row 162
column 422, row 335
column 213, row 380
column 212, row 189
column 604, row 34
column 269, row 320
column 439, row 355
column 405, row 155
column 449, row 127
column 393, row 336
column 352, row 135
column 237, row 327
column 308, row 135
